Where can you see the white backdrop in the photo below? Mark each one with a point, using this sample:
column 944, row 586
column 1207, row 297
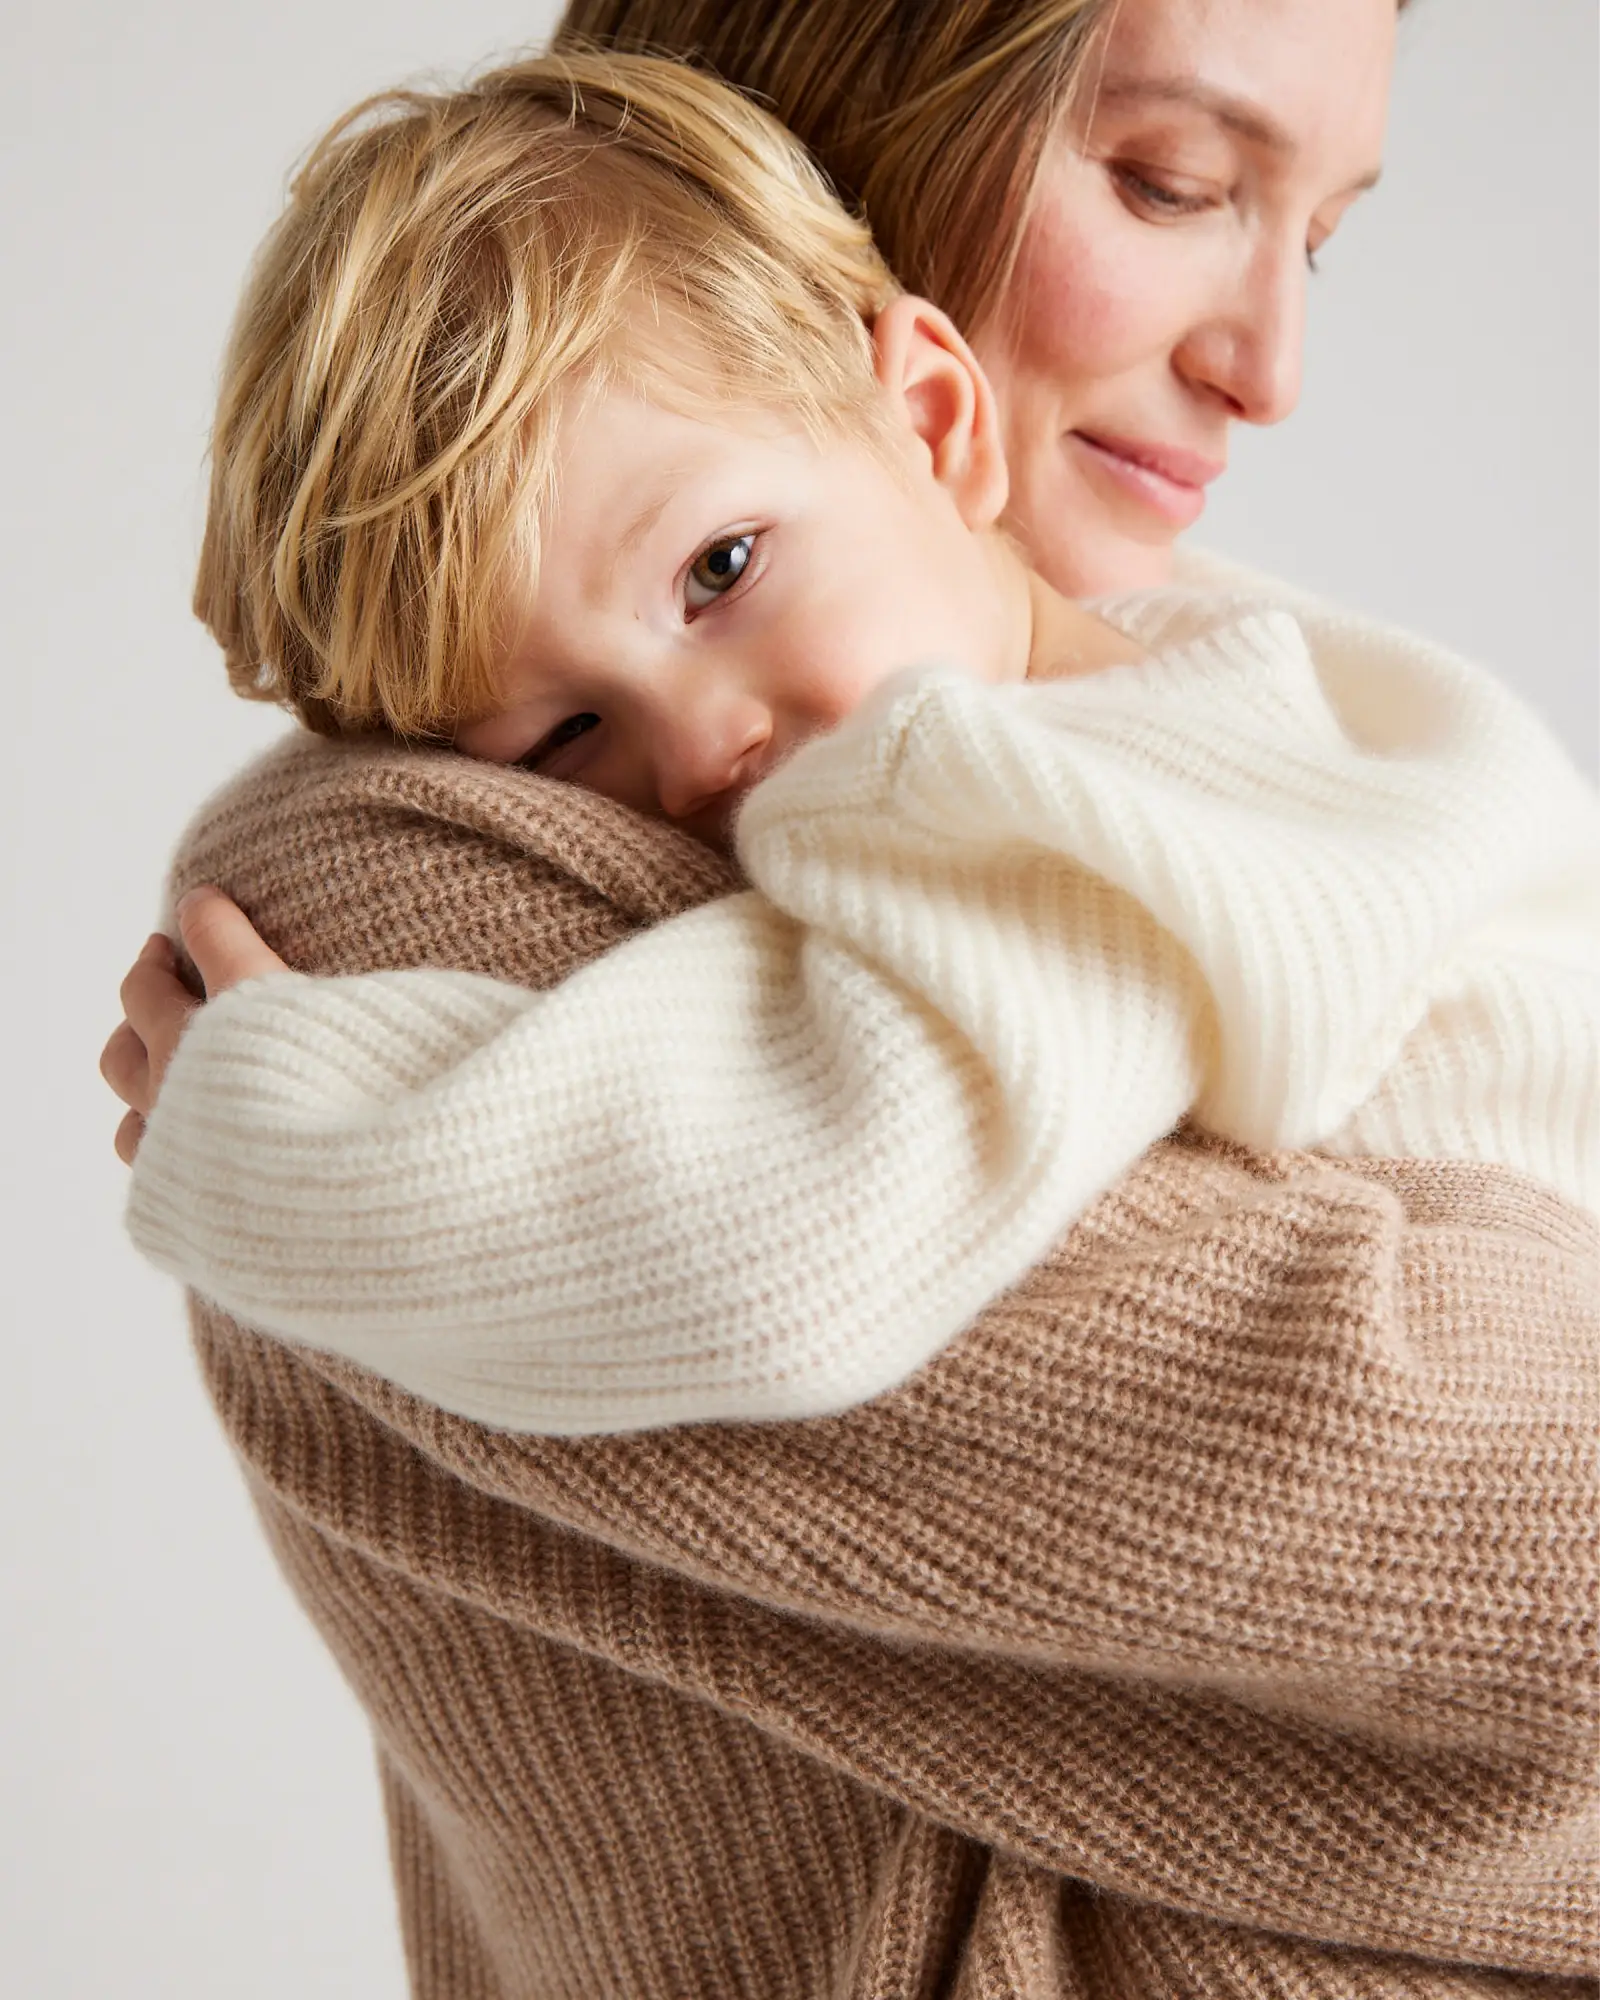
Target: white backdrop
column 189, row 1806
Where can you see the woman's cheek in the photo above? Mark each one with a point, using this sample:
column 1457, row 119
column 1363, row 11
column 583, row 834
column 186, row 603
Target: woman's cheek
column 1088, row 318
column 1098, row 290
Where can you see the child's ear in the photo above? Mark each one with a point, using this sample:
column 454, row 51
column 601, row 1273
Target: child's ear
column 936, row 387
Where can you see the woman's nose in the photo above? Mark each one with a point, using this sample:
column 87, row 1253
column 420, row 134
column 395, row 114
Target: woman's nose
column 1249, row 352
column 709, row 743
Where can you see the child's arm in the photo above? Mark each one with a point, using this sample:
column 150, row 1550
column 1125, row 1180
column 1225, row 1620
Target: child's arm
column 734, row 1168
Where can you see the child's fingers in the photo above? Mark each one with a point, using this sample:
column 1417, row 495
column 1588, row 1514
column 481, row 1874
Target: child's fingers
column 125, row 1065
column 129, row 1133
column 222, row 941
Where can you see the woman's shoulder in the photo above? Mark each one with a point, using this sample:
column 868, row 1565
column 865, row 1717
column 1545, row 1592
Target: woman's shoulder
column 355, row 856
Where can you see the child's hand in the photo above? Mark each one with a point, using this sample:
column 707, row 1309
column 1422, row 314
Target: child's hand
column 225, row 948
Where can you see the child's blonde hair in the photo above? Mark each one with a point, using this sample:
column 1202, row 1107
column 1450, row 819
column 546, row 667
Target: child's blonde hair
column 449, row 266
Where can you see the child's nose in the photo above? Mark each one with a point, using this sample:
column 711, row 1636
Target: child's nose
column 708, row 748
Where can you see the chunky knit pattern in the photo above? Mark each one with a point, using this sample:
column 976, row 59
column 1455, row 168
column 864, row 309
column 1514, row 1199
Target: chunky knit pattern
column 1215, row 1618
column 766, row 1160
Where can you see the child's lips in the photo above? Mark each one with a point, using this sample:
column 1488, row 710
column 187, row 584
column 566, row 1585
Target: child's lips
column 1170, row 481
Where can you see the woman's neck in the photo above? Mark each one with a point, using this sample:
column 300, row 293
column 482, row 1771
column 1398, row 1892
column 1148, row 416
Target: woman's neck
column 1064, row 639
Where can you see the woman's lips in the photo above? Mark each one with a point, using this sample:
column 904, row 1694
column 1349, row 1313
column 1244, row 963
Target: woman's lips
column 1170, row 482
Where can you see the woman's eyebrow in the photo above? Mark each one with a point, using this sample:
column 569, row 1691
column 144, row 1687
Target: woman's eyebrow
column 1237, row 114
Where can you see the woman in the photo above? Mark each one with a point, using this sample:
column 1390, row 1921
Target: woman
column 841, row 1709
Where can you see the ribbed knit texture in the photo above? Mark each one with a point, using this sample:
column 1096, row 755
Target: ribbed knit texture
column 768, row 1159
column 1215, row 1618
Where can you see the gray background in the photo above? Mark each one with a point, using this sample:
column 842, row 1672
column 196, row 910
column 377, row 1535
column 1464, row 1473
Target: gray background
column 189, row 1802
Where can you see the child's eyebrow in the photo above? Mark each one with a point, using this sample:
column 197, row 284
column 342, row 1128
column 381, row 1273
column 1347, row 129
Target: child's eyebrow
column 641, row 524
column 649, row 513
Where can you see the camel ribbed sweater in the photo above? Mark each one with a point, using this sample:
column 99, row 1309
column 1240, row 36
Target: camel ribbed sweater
column 1214, row 1618
column 767, row 1160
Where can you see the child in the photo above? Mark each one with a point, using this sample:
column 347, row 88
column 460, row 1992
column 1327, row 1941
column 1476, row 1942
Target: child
column 568, row 416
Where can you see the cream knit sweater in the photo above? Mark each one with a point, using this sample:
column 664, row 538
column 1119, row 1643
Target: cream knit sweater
column 1312, row 881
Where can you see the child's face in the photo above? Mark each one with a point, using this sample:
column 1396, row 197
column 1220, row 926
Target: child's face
column 711, row 593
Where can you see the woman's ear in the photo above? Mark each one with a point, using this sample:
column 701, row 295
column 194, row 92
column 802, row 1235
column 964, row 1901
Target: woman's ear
column 936, row 388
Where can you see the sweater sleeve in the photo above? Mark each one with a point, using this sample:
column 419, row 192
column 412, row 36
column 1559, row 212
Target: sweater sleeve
column 767, row 1160
column 739, row 1167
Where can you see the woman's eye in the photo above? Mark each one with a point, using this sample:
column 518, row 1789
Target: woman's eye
column 557, row 739
column 1159, row 199
column 717, row 568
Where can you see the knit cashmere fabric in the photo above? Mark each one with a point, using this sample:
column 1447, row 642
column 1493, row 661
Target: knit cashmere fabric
column 1213, row 1618
column 768, row 1159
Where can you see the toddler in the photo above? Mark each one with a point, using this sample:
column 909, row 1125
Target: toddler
column 570, row 420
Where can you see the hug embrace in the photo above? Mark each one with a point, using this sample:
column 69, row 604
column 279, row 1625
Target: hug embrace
column 921, row 1315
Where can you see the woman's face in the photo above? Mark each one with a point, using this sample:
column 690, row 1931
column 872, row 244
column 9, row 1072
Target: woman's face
column 1159, row 294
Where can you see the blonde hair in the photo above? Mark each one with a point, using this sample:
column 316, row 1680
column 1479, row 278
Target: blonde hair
column 930, row 116
column 450, row 266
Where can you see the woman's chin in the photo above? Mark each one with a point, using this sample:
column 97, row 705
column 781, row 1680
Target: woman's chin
column 1085, row 541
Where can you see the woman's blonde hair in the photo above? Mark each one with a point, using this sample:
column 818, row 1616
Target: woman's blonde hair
column 450, row 266
column 930, row 116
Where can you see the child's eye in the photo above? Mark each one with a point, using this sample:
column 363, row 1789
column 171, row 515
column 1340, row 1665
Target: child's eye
column 717, row 568
column 557, row 739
